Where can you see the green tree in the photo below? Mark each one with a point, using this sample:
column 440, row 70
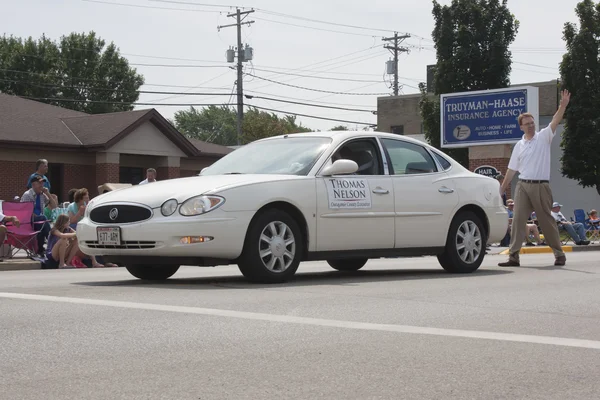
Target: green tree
column 471, row 38
column 77, row 67
column 219, row 124
column 580, row 74
column 339, row 128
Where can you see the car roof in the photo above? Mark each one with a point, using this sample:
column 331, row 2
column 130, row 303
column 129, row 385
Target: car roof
column 340, row 136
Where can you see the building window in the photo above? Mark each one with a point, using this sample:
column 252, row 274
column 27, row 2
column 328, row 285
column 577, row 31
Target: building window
column 131, row 175
column 397, row 129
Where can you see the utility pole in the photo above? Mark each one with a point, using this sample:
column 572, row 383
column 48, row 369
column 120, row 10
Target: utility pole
column 242, row 55
column 395, row 49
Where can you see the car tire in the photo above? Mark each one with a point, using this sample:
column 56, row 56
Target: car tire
column 465, row 245
column 267, row 256
column 348, row 264
column 152, row 272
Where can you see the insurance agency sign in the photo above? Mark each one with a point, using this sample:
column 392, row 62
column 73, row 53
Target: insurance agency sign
column 486, row 117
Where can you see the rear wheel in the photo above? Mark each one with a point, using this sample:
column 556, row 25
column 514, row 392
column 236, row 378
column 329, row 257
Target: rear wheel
column 349, row 264
column 465, row 245
column 152, row 272
column 273, row 248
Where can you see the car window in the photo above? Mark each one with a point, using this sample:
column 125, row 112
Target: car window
column 365, row 153
column 408, row 158
column 443, row 162
column 293, row 155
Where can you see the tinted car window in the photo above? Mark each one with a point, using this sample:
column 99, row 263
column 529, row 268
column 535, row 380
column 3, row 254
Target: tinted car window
column 408, row 158
column 443, row 162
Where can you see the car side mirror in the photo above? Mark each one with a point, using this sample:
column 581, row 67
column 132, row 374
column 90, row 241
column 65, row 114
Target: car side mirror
column 341, row 167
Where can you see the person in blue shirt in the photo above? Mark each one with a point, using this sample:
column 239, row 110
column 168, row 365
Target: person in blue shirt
column 41, row 167
column 40, row 196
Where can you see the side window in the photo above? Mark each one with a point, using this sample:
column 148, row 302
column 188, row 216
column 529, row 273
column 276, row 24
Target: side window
column 408, row 158
column 365, row 153
column 443, row 162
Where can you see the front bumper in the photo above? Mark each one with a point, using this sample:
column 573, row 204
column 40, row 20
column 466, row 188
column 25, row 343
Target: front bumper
column 160, row 237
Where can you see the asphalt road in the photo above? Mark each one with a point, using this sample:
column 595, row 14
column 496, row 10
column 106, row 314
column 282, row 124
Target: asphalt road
column 399, row 329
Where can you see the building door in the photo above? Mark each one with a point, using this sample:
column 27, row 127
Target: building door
column 56, row 176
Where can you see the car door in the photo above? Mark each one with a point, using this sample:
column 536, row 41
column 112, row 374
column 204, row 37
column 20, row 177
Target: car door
column 356, row 211
column 424, row 195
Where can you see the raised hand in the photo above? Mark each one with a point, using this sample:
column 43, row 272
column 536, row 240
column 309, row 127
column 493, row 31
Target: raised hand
column 565, row 97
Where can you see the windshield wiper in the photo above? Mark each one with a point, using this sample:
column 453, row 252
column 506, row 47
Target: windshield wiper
column 233, row 173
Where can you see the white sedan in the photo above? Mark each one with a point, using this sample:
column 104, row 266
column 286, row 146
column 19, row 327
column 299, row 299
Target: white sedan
column 344, row 197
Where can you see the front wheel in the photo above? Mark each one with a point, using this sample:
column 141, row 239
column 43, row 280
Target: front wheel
column 465, row 245
column 152, row 272
column 273, row 248
column 351, row 264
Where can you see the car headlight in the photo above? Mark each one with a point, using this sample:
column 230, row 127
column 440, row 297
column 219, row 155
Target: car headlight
column 200, row 205
column 168, row 207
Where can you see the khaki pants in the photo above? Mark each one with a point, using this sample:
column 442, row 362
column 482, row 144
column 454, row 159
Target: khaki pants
column 533, row 197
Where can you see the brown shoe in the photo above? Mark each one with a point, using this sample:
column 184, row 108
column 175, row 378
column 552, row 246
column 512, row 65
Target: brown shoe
column 509, row 263
column 560, row 260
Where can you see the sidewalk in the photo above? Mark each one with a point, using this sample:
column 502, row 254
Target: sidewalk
column 19, row 264
column 546, row 249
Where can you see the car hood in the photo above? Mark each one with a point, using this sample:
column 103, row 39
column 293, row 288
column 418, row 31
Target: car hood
column 156, row 193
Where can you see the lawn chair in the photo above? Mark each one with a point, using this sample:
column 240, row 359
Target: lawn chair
column 25, row 236
column 591, row 230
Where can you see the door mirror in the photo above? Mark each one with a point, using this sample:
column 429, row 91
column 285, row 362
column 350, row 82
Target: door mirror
column 341, row 167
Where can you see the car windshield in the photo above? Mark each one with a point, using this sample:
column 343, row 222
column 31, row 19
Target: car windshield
column 288, row 156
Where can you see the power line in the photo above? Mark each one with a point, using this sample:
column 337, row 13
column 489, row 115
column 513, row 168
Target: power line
column 115, row 90
column 163, row 92
column 311, row 116
column 310, row 105
column 314, row 28
column 125, row 103
column 316, row 77
column 195, row 4
column 129, row 63
column 315, row 90
column 313, row 101
column 151, row 7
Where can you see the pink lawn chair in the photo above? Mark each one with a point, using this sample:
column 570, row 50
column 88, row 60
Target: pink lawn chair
column 24, row 237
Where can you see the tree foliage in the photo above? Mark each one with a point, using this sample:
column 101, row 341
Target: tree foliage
column 471, row 38
column 77, row 67
column 219, row 124
column 580, row 74
column 339, row 128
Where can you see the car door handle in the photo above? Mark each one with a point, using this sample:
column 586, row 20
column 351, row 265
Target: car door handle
column 379, row 190
column 444, row 189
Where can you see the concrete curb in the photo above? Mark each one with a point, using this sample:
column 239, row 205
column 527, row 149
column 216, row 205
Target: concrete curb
column 20, row 265
column 546, row 249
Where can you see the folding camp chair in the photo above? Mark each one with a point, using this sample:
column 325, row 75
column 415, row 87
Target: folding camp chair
column 591, row 229
column 23, row 237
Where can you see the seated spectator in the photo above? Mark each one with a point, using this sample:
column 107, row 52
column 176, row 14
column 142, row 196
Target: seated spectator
column 574, row 229
column 532, row 228
column 150, row 176
column 62, row 244
column 76, row 209
column 594, row 217
column 41, row 167
column 76, row 212
column 3, row 230
column 40, row 196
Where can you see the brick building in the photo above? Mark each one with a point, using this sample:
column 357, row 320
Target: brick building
column 401, row 115
column 86, row 150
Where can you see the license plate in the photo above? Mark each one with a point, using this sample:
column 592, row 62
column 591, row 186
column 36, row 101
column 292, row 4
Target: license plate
column 109, row 236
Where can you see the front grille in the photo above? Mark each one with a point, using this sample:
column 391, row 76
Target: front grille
column 121, row 213
column 131, row 244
